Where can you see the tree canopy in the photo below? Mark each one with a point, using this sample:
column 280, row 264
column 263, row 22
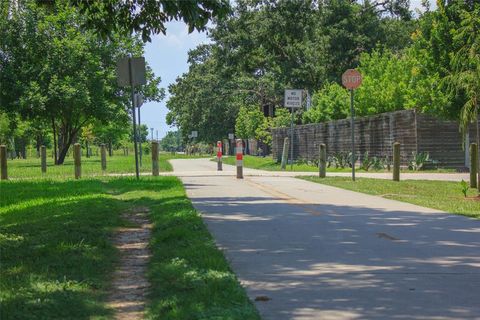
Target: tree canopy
column 147, row 17
column 264, row 47
column 57, row 74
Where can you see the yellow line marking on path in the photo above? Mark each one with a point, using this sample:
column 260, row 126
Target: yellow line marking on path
column 285, row 197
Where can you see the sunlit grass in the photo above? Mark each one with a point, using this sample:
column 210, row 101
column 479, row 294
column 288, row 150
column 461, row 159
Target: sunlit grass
column 269, row 164
column 117, row 164
column 442, row 195
column 57, row 255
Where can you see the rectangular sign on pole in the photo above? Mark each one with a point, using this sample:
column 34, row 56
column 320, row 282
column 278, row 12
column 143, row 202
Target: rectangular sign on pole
column 138, row 71
column 138, row 100
column 231, row 136
column 293, row 98
column 194, row 134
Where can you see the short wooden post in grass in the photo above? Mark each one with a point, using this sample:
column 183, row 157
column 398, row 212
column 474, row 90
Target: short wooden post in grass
column 322, row 161
column 473, row 165
column 286, row 144
column 3, row 162
column 43, row 157
column 155, row 167
column 77, row 159
column 103, row 156
column 396, row 161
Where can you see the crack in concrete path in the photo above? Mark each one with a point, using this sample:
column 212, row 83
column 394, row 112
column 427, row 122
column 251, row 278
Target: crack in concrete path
column 130, row 286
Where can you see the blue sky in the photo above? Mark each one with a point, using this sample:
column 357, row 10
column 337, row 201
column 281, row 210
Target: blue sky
column 167, row 55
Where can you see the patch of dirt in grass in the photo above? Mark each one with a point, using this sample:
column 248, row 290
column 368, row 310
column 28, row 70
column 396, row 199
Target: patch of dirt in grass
column 475, row 198
column 130, row 285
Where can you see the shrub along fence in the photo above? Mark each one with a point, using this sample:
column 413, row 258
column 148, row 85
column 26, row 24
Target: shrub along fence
column 416, row 132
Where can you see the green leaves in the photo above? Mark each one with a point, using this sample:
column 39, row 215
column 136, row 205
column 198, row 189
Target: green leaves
column 147, row 17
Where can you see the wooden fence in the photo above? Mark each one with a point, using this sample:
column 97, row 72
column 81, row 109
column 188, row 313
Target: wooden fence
column 415, row 131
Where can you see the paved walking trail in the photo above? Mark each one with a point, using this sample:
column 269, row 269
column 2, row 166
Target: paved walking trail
column 319, row 252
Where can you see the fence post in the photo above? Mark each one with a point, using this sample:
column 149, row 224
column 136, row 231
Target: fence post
column 473, row 165
column 322, row 161
column 43, row 157
column 103, row 156
column 3, row 162
column 396, row 161
column 219, row 156
column 286, row 144
column 239, row 159
column 155, row 168
column 77, row 159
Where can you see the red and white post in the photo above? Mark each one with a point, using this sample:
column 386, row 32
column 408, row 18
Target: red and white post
column 219, row 156
column 239, row 159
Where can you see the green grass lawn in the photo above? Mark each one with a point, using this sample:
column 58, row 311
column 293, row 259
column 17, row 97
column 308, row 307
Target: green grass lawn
column 442, row 195
column 30, row 168
column 57, row 256
column 269, row 164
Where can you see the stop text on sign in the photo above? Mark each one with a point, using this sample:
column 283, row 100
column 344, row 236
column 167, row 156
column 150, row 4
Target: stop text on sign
column 351, row 79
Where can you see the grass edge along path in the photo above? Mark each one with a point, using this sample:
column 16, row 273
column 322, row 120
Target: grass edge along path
column 58, row 257
column 20, row 169
column 442, row 195
column 269, row 164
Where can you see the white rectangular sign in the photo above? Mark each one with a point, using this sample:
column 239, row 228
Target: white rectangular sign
column 194, row 134
column 231, row 136
column 293, row 98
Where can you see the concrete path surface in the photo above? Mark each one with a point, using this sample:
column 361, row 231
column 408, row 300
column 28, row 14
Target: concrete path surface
column 310, row 251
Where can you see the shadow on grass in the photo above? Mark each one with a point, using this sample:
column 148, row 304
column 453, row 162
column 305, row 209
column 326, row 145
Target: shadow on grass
column 57, row 255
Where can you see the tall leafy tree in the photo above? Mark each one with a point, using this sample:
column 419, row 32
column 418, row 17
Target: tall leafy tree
column 57, row 73
column 466, row 69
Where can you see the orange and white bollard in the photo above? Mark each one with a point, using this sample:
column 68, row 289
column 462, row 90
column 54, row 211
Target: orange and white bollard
column 219, row 156
column 239, row 159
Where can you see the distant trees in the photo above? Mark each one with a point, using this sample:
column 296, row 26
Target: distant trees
column 172, row 141
column 264, row 47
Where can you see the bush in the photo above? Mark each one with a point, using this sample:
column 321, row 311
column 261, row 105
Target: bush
column 418, row 161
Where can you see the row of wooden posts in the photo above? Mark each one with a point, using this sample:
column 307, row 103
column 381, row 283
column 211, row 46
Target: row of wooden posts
column 77, row 160
column 322, row 164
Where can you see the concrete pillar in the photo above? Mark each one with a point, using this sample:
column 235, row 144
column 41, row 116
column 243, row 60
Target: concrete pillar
column 43, row 157
column 286, row 144
column 322, row 161
column 155, row 167
column 239, row 150
column 219, row 156
column 77, row 159
column 3, row 162
column 396, row 161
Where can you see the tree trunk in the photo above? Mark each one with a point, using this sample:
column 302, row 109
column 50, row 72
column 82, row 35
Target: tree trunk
column 110, row 150
column 55, row 157
column 68, row 136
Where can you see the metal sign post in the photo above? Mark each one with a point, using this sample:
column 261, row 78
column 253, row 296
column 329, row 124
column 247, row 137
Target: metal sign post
column 138, row 104
column 292, row 100
column 131, row 72
column 352, row 79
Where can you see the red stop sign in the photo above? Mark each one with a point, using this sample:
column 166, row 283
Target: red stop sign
column 351, row 79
